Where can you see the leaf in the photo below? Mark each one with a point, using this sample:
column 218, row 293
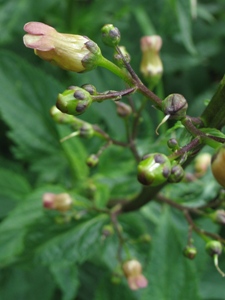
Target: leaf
column 185, row 23
column 14, row 228
column 66, row 276
column 27, row 94
column 76, row 245
column 13, row 188
column 171, row 276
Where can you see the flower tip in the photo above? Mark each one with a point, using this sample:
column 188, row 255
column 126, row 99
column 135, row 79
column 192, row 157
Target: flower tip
column 37, row 28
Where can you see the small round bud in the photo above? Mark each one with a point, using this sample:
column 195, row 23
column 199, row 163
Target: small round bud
column 92, row 160
column 145, row 238
column 86, row 130
column 173, row 144
column 202, row 163
column 119, row 60
column 123, row 110
column 154, row 169
column 107, row 231
column 214, row 248
column 177, row 173
column 91, row 89
column 61, row 202
column 175, row 105
column 74, row 101
column 110, row 35
column 218, row 165
column 190, row 252
column 218, row 216
column 133, row 272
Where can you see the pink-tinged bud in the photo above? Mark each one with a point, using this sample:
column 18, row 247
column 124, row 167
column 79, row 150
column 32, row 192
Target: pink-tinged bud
column 133, row 272
column 151, row 64
column 61, row 202
column 70, row 52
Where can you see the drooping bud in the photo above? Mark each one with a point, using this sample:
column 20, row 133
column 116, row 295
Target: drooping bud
column 214, row 249
column 70, row 52
column 61, row 202
column 154, row 169
column 110, row 35
column 92, row 160
column 202, row 163
column 177, row 173
column 119, row 60
column 151, row 64
column 175, row 106
column 218, row 165
column 133, row 272
column 190, row 252
column 123, row 110
column 74, row 102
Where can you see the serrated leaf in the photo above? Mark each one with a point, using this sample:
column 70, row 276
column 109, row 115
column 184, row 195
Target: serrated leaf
column 170, row 275
column 65, row 274
column 15, row 227
column 76, row 245
column 13, row 188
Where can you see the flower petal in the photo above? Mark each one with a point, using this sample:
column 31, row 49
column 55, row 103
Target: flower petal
column 38, row 28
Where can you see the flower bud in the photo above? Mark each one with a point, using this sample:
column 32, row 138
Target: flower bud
column 74, row 102
column 173, row 144
column 61, row 202
column 154, row 169
column 92, row 160
column 177, row 173
column 110, row 35
column 123, row 110
column 70, row 52
column 202, row 163
column 175, row 105
column 86, row 130
column 119, row 60
column 60, row 117
column 214, row 247
column 190, row 252
column 91, row 89
column 133, row 272
column 218, row 216
column 107, row 231
column 218, row 165
column 151, row 64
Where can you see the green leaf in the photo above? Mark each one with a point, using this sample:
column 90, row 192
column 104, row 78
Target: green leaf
column 76, row 245
column 185, row 23
column 66, row 276
column 14, row 228
column 170, row 275
column 13, row 189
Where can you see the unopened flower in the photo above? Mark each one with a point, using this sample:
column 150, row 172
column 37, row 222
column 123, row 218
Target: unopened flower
column 132, row 270
column 151, row 64
column 218, row 165
column 70, row 52
column 61, row 202
column 202, row 162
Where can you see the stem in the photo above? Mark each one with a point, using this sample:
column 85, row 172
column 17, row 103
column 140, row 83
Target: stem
column 112, row 94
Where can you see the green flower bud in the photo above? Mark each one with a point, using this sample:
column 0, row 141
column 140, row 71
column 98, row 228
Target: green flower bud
column 86, row 130
column 218, row 165
column 74, row 101
column 91, row 89
column 173, row 144
column 60, row 117
column 154, row 169
column 214, row 248
column 119, row 60
column 122, row 109
column 190, row 252
column 175, row 105
column 218, row 216
column 107, row 230
column 110, row 35
column 177, row 173
column 92, row 59
column 92, row 160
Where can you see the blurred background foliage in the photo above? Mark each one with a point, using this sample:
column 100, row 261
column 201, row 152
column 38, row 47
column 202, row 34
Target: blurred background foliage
column 33, row 161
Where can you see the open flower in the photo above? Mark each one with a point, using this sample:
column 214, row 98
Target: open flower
column 70, row 52
column 133, row 272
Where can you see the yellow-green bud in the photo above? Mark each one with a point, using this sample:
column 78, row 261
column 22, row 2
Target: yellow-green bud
column 218, row 165
column 177, row 173
column 190, row 252
column 214, row 247
column 175, row 105
column 110, row 35
column 92, row 160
